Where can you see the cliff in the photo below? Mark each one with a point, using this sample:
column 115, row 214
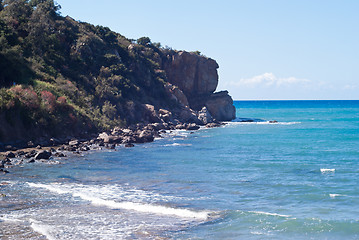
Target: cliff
column 60, row 78
column 197, row 77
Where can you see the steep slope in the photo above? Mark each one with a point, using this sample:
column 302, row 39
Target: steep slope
column 60, row 77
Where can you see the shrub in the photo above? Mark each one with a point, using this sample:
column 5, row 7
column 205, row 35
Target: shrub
column 7, row 99
column 144, row 41
column 48, row 100
column 62, row 101
column 26, row 96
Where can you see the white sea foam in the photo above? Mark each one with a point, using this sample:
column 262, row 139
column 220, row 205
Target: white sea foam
column 42, row 229
column 270, row 214
column 262, row 123
column 7, row 219
column 260, row 233
column 97, row 198
column 334, row 195
column 176, row 144
column 146, row 208
column 327, row 170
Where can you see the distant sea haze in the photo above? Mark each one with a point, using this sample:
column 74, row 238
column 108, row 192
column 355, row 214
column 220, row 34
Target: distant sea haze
column 281, row 170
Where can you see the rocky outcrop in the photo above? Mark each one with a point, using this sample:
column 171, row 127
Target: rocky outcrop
column 221, row 107
column 197, row 78
column 176, row 94
column 195, row 75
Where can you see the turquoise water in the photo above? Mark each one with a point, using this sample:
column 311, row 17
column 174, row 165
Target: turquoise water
column 297, row 179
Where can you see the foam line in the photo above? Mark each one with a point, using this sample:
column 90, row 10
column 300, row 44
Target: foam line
column 264, row 123
column 270, row 214
column 42, row 229
column 326, row 170
column 139, row 207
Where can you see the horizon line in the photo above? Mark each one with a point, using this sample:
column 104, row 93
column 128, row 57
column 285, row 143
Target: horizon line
column 296, row 100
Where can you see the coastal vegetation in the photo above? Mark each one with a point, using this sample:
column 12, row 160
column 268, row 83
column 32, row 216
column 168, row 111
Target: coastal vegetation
column 57, row 73
column 62, row 77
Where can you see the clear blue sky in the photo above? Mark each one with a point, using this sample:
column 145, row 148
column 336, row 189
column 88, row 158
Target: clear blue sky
column 268, row 49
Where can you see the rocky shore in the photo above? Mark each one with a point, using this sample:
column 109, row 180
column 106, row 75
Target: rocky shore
column 192, row 81
column 50, row 149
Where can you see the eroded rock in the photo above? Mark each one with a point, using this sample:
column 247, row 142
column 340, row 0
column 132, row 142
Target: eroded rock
column 220, row 105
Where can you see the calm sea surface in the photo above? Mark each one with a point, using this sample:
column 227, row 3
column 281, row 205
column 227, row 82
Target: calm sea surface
column 297, row 179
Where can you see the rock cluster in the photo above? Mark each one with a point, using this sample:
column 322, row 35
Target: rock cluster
column 126, row 137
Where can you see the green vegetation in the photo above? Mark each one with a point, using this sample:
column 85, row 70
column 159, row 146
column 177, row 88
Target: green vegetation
column 58, row 73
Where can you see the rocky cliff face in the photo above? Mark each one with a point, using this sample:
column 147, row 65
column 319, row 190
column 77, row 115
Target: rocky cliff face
column 197, row 77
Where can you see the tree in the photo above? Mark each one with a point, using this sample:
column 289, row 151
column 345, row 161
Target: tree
column 16, row 14
column 53, row 5
column 144, row 41
column 42, row 26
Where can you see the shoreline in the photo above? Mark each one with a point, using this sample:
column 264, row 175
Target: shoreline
column 127, row 137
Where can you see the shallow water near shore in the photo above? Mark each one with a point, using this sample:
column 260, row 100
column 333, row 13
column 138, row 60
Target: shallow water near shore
column 296, row 178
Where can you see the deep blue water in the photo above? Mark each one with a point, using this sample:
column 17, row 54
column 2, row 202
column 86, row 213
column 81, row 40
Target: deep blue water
column 297, row 179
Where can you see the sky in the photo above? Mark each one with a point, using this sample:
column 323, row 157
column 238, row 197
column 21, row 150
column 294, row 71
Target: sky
column 266, row 50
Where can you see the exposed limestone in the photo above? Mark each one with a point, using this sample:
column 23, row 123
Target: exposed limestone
column 221, row 107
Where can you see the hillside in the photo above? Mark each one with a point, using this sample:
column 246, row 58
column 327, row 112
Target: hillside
column 60, row 77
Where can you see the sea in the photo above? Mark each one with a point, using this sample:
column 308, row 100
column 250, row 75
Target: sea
column 281, row 170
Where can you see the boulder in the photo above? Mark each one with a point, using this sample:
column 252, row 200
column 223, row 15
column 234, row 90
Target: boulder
column 180, row 126
column 212, row 125
column 116, row 131
column 102, row 136
column 60, row 154
column 165, row 115
column 128, row 139
column 145, row 136
column 176, row 94
column 187, row 115
column 43, row 155
column 192, row 126
column 30, row 154
column 20, row 153
column 112, row 139
column 74, row 142
column 109, row 138
column 204, row 116
column 149, row 114
column 220, row 105
column 10, row 155
column 155, row 126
